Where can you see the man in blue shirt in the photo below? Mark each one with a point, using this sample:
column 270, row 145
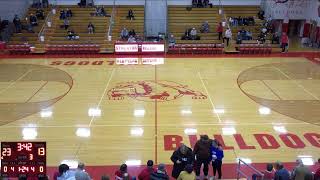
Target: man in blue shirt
column 281, row 172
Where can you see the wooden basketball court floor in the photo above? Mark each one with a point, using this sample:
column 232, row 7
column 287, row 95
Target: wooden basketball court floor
column 102, row 112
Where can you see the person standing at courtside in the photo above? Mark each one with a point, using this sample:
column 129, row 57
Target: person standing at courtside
column 217, row 156
column 284, row 42
column 202, row 155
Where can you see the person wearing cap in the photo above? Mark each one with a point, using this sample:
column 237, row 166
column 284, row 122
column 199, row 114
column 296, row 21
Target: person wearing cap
column 80, row 173
column 187, row 174
column 180, row 158
column 202, row 154
column 145, row 173
column 122, row 173
column 160, row 173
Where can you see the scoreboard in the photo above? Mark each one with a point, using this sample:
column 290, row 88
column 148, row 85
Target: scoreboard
column 26, row 159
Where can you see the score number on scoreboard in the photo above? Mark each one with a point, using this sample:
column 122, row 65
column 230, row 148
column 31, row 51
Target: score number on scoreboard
column 23, row 159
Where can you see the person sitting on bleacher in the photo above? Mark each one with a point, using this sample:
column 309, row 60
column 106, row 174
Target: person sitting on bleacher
column 205, row 27
column 172, row 41
column 33, row 20
column 248, row 35
column 102, row 11
column 186, row 35
column 193, row 34
column 90, row 28
column 45, row 3
column 200, row 4
column 72, row 35
column 194, row 3
column 82, row 3
column 130, row 15
column 40, row 14
column 69, row 13
column 132, row 33
column 62, row 14
column 131, row 39
column 239, row 38
column 124, row 34
column 17, row 24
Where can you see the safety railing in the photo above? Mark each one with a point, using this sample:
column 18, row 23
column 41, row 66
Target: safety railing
column 241, row 173
column 111, row 23
column 47, row 24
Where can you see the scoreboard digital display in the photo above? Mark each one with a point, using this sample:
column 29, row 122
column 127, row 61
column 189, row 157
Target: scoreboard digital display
column 23, row 159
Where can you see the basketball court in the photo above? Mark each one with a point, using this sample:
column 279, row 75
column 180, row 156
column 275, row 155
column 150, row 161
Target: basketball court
column 106, row 111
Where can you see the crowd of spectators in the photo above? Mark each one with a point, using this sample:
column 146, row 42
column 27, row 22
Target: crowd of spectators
column 201, row 3
column 241, row 21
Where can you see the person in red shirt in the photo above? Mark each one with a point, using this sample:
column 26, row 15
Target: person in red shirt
column 145, row 173
column 220, row 30
column 284, row 41
column 122, row 173
column 317, row 173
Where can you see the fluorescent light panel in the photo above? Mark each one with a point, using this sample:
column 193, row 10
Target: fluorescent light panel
column 228, row 131
column 94, row 112
column 138, row 131
column 139, row 112
column 29, row 133
column 190, row 131
column 133, row 162
column 83, row 132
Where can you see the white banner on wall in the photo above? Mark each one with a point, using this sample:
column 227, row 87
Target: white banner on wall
column 126, row 48
column 152, row 48
column 288, row 9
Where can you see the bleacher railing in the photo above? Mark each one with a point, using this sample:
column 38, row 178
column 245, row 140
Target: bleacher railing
column 111, row 23
column 47, row 24
column 241, row 173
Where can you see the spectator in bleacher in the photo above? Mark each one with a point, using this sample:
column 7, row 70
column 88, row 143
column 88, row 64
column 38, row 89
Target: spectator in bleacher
column 227, row 36
column 239, row 38
column 132, row 33
column 17, row 24
column 131, row 39
column 90, row 28
column 261, row 14
column 317, row 173
column 130, row 15
column 122, row 173
column 275, row 38
column 202, row 154
column 200, row 4
column 300, row 171
column 205, row 3
column 251, row 21
column 193, row 34
column 172, row 41
column 62, row 14
column 66, row 23
column 80, row 173
column 33, row 20
column 102, row 11
column 205, row 27
column 284, row 42
column 248, row 35
column 262, row 38
column 186, row 35
column 146, row 172
column 82, row 3
column 217, row 156
column 45, row 3
column 72, row 35
column 220, row 30
column 281, row 173
column 160, row 173
column 124, row 34
column 194, row 3
column 187, row 174
column 40, row 14
column 180, row 158
column 68, row 13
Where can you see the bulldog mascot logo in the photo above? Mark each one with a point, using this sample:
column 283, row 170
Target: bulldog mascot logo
column 152, row 90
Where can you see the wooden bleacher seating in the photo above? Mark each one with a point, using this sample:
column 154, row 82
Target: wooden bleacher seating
column 180, row 19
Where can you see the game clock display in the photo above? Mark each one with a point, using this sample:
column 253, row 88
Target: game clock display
column 23, row 159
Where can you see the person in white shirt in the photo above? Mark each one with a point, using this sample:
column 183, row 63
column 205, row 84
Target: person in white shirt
column 80, row 173
column 193, row 34
column 227, row 36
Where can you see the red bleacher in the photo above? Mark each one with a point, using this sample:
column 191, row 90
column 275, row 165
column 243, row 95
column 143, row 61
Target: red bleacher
column 73, row 49
column 196, row 49
column 255, row 49
column 19, row 48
